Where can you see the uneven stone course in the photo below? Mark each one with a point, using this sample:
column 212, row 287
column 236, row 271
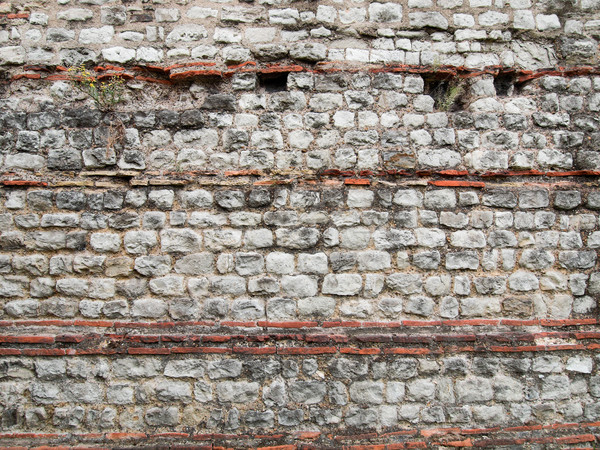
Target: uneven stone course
column 360, row 224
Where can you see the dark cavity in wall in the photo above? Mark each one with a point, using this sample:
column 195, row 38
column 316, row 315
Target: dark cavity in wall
column 273, row 82
column 504, row 84
column 448, row 94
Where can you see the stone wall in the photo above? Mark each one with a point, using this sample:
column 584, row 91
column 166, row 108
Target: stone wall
column 304, row 226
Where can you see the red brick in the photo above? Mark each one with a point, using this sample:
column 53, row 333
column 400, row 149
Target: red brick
column 305, row 350
column 10, row 352
column 43, row 323
column 401, row 433
column 97, row 351
column 565, row 347
column 464, row 443
column 216, row 338
column 366, row 447
column 498, row 442
column 407, row 351
column 588, row 335
column 179, row 338
column 44, row 352
column 452, row 172
column 268, row 436
column 25, row 182
column 374, row 338
column 121, row 436
column 72, row 338
column 240, row 173
column 455, row 338
column 93, row 323
column 458, row 183
column 200, row 350
column 27, row 339
column 161, row 325
column 278, row 447
column 541, row 440
column 255, row 350
column 471, row 322
column 275, row 68
column 576, row 439
column 195, row 73
column 416, row 339
column 355, row 437
column 381, row 324
column 341, row 324
column 457, row 349
column 560, row 426
column 149, row 351
column 567, row 322
column 574, row 173
column 360, row 351
column 326, row 338
column 421, row 323
column 170, row 435
column 271, row 182
column 439, row 431
column 307, row 434
column 257, row 338
column 290, row 324
column 231, row 323
column 480, row 430
column 357, row 181
column 524, row 428
column 517, row 322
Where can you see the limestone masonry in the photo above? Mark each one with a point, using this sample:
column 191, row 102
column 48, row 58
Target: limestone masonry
column 338, row 224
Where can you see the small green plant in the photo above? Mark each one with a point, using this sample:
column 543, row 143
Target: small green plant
column 453, row 91
column 106, row 94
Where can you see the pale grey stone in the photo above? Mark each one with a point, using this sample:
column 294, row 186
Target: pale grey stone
column 523, row 281
column 300, row 238
column 299, row 286
column 404, row 283
column 462, row 260
column 307, row 392
column 313, row 263
column 474, row 389
column 245, row 309
column 342, row 284
column 367, row 392
column 151, row 308
column 468, row 239
column 195, row 264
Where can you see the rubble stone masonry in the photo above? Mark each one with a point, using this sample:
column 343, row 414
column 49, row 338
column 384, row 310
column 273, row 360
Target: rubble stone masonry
column 337, row 224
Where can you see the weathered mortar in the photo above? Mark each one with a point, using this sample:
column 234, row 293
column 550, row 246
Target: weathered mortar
column 307, row 224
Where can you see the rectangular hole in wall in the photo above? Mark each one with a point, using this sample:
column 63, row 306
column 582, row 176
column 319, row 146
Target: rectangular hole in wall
column 448, row 94
column 273, row 82
column 504, row 84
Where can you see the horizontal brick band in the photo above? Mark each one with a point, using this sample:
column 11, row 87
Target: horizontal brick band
column 285, row 344
column 554, row 434
column 188, row 71
column 189, row 178
column 303, row 324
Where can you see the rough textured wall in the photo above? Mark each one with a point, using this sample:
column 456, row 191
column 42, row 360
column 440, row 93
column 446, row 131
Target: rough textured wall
column 306, row 225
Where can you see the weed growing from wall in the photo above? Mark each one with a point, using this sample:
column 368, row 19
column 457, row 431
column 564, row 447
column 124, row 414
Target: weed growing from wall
column 106, row 94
